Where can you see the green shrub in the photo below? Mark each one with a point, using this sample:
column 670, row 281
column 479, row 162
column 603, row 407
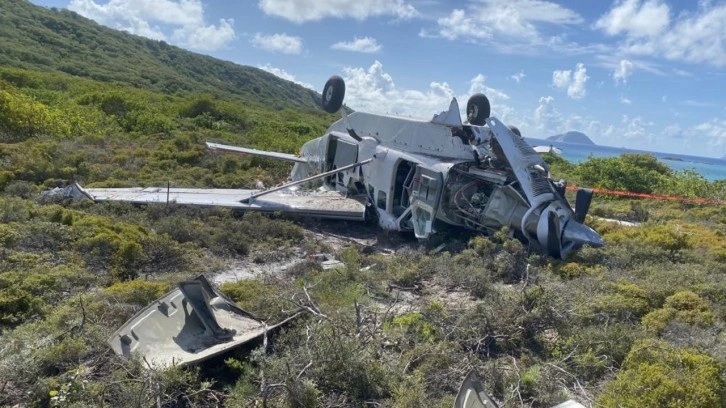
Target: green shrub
column 591, row 352
column 684, row 306
column 17, row 305
column 637, row 173
column 625, row 302
column 8, row 236
column 658, row 375
column 21, row 117
column 138, row 291
column 413, row 325
column 253, row 295
column 342, row 364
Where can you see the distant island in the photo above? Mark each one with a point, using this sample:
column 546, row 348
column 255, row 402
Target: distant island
column 572, row 137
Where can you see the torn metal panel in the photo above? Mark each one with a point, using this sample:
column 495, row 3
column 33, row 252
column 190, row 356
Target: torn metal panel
column 187, row 325
column 569, row 404
column 326, row 204
column 472, row 395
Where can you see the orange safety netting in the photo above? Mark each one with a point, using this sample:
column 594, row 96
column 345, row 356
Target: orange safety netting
column 697, row 200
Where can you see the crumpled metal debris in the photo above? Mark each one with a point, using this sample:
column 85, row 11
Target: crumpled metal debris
column 187, row 325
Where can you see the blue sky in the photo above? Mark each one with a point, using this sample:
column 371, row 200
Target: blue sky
column 644, row 74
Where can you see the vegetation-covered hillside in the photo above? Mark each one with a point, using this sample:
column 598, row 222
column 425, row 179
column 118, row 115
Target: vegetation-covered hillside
column 638, row 323
column 60, row 40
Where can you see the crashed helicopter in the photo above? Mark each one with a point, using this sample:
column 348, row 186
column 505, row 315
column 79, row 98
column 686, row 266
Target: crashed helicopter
column 410, row 175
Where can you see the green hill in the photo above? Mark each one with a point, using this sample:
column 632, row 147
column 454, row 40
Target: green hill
column 37, row 38
column 79, row 101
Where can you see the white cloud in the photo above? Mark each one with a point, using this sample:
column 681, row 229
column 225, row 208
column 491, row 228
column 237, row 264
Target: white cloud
column 647, row 28
column 300, row 11
column 623, row 71
column 697, row 104
column 283, row 43
column 209, row 37
column 635, row 18
column 547, row 120
column 574, row 83
column 715, row 130
column 682, row 72
column 279, row 72
column 518, row 77
column 635, row 128
column 374, row 90
column 505, row 22
column 561, row 79
column 153, row 19
column 478, row 85
column 365, row 44
column 625, row 101
column 711, row 133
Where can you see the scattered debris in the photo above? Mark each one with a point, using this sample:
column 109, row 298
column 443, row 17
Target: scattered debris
column 327, row 261
column 187, row 325
column 619, row 222
column 438, row 249
column 472, row 395
column 71, row 191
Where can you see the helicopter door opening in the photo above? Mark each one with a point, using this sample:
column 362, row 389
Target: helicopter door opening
column 340, row 153
column 425, row 195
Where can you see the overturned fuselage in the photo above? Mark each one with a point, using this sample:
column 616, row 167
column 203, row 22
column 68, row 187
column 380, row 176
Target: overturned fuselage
column 442, row 171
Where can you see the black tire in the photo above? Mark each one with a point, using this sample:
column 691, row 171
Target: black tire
column 333, row 94
column 515, row 130
column 478, row 109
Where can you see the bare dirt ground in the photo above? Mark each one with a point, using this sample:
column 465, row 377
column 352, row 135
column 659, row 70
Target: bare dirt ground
column 321, row 237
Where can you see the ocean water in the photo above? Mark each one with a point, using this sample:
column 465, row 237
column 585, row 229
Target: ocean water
column 711, row 169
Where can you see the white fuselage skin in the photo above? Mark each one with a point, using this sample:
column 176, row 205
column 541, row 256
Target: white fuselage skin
column 390, row 142
column 479, row 177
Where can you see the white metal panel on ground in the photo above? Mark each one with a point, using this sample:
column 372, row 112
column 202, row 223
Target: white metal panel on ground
column 323, row 204
column 190, row 324
column 168, row 332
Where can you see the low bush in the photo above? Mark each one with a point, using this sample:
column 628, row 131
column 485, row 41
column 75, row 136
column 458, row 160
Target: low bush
column 657, row 375
column 685, row 306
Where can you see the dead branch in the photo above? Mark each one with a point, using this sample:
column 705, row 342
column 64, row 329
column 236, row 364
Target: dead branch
column 519, row 380
column 358, row 319
column 577, row 383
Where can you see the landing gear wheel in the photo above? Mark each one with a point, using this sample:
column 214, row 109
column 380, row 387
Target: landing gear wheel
column 333, row 94
column 478, row 109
